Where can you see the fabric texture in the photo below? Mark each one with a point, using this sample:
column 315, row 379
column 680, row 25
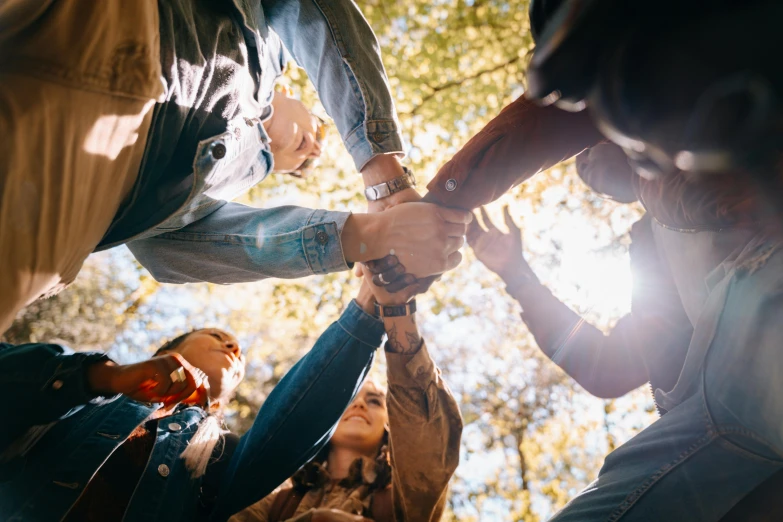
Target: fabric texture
column 425, row 427
column 44, row 482
column 75, row 109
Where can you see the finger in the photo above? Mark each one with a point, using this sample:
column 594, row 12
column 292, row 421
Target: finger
column 457, row 229
column 400, row 283
column 512, row 227
column 454, row 243
column 379, row 265
column 474, row 232
column 392, row 274
column 357, row 270
column 165, row 365
column 487, row 222
column 454, row 260
column 453, row 215
column 384, row 279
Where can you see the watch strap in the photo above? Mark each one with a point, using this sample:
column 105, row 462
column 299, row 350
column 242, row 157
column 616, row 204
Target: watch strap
column 402, row 310
column 392, row 186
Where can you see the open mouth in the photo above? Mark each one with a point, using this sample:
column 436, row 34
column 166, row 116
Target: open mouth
column 355, row 418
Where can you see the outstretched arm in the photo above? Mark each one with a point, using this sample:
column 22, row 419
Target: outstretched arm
column 606, row 365
column 521, row 141
column 300, row 414
column 425, row 425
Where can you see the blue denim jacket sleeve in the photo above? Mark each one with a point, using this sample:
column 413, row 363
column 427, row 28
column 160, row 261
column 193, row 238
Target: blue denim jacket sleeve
column 46, row 382
column 237, row 243
column 300, row 414
column 334, row 43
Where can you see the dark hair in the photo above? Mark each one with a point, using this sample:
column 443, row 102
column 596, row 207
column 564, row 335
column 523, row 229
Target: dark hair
column 172, row 344
column 306, row 477
column 541, row 12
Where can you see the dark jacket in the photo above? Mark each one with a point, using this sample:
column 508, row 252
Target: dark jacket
column 74, row 433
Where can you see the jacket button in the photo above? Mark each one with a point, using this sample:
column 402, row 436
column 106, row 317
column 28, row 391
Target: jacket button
column 451, row 184
column 219, row 151
column 163, row 470
column 322, row 237
column 56, row 385
column 174, row 426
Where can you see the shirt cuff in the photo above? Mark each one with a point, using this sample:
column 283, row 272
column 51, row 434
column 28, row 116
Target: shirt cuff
column 321, row 240
column 362, row 326
column 373, row 139
column 67, row 387
column 411, row 370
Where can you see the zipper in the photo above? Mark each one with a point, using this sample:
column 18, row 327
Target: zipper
column 658, row 407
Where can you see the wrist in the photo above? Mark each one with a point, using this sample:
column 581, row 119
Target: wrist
column 365, row 299
column 360, row 237
column 100, row 376
column 383, row 167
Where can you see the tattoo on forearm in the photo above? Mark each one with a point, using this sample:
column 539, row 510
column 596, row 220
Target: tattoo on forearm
column 411, row 343
column 393, row 342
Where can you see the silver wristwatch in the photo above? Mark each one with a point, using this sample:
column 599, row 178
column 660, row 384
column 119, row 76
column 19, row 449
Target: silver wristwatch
column 387, row 188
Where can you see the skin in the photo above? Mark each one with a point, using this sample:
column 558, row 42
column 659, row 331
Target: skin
column 292, row 130
column 211, row 360
column 362, row 425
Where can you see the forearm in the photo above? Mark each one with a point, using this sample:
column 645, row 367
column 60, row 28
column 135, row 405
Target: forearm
column 605, row 365
column 313, row 394
column 238, row 243
column 340, row 53
column 425, row 430
column 521, row 141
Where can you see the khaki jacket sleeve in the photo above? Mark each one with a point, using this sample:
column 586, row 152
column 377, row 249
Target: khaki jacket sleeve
column 521, row 141
column 425, row 427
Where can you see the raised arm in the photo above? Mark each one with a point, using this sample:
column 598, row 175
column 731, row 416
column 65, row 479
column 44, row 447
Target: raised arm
column 425, row 425
column 49, row 383
column 521, row 141
column 298, row 417
column 606, row 365
column 340, row 53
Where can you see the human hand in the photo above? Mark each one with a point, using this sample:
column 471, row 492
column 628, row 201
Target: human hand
column 150, row 380
column 424, row 237
column 402, row 288
column 334, row 515
column 500, row 252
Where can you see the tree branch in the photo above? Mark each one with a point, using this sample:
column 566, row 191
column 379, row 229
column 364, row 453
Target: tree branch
column 456, row 83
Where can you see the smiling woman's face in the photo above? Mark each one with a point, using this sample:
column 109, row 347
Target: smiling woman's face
column 362, row 425
column 217, row 354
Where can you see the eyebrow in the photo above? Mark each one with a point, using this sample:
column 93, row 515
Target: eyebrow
column 376, row 394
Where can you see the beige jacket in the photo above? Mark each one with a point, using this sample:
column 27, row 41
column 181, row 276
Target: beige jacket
column 425, row 428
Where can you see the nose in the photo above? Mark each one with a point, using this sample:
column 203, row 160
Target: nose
column 233, row 348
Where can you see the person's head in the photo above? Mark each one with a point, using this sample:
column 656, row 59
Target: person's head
column 605, row 169
column 295, row 135
column 214, row 352
column 363, row 426
column 541, row 11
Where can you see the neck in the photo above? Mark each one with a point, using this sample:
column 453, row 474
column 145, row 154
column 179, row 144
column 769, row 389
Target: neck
column 340, row 460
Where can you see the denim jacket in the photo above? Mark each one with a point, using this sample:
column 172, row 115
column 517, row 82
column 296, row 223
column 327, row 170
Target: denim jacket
column 235, row 243
column 78, row 432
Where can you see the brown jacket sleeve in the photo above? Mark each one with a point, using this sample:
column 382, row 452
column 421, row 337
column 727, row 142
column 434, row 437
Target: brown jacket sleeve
column 650, row 343
column 521, row 141
column 425, row 427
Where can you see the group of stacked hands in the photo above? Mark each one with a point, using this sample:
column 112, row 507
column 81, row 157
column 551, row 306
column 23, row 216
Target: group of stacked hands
column 138, row 122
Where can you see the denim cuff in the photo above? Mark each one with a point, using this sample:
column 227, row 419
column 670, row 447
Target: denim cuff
column 373, row 139
column 321, row 241
column 411, row 370
column 362, row 326
column 66, row 386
